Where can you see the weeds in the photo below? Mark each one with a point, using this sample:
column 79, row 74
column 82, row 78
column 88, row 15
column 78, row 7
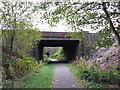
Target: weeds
column 94, row 76
column 19, row 68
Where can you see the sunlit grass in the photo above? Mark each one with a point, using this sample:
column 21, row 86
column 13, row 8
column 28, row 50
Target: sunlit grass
column 42, row 78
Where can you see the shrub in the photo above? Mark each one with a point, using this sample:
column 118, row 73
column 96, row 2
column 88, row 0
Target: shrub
column 95, row 74
column 59, row 55
column 21, row 66
column 47, row 60
column 110, row 76
column 92, row 84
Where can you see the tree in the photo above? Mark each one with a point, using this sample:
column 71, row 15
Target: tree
column 18, row 35
column 97, row 15
column 117, row 36
column 94, row 15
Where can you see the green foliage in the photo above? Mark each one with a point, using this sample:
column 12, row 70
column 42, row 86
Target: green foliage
column 18, row 35
column 47, row 60
column 21, row 67
column 59, row 55
column 105, row 33
column 94, row 76
column 41, row 78
column 76, row 35
column 23, row 40
column 91, row 15
column 87, row 15
column 93, row 85
column 107, row 40
column 101, row 43
column 18, row 38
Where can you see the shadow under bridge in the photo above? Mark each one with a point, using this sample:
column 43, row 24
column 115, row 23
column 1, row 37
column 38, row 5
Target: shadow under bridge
column 69, row 47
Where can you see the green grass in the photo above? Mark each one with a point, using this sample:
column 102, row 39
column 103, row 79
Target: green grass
column 84, row 83
column 76, row 74
column 41, row 78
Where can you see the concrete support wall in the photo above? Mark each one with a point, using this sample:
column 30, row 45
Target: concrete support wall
column 69, row 46
column 84, row 49
column 35, row 52
column 40, row 52
column 72, row 48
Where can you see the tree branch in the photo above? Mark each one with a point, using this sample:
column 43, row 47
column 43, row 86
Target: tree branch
column 117, row 36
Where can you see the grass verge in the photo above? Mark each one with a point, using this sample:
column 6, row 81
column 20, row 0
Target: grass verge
column 41, row 78
column 75, row 74
column 84, row 83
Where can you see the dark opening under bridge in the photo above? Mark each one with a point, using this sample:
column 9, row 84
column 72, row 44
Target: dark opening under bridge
column 72, row 47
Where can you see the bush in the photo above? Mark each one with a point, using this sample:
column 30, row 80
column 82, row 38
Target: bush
column 110, row 76
column 95, row 74
column 59, row 55
column 92, row 84
column 47, row 60
column 19, row 68
column 22, row 66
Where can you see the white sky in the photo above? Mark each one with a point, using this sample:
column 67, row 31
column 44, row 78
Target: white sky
column 61, row 27
column 46, row 27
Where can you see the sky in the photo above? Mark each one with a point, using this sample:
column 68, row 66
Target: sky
column 61, row 27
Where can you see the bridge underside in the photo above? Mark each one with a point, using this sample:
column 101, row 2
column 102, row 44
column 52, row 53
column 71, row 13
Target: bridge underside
column 69, row 47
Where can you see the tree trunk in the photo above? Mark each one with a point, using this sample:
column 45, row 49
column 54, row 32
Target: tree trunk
column 117, row 36
column 10, row 45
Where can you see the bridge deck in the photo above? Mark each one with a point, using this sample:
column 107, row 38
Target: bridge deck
column 57, row 42
column 55, row 34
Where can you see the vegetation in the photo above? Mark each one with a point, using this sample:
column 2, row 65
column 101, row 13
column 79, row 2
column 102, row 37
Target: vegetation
column 22, row 66
column 18, row 39
column 102, row 16
column 55, row 53
column 93, row 76
column 47, row 60
column 40, row 78
column 59, row 55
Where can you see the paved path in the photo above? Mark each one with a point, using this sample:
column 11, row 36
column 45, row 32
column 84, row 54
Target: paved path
column 53, row 59
column 63, row 77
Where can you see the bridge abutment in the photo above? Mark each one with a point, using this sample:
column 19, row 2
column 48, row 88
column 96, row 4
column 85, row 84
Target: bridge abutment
column 73, row 48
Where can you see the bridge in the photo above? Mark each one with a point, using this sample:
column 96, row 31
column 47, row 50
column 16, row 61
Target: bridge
column 72, row 47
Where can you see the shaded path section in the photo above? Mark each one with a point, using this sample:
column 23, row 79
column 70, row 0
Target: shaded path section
column 63, row 77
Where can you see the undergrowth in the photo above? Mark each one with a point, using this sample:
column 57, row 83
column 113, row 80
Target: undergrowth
column 93, row 76
column 41, row 78
column 18, row 68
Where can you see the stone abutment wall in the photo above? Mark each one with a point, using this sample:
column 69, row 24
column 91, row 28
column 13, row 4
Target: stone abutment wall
column 72, row 48
column 84, row 49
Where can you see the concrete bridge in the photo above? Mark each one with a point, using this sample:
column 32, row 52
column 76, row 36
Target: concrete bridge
column 72, row 47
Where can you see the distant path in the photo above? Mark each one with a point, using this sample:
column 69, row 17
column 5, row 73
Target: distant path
column 53, row 59
column 63, row 77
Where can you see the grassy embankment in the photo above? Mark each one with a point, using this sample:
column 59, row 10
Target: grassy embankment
column 94, row 77
column 41, row 78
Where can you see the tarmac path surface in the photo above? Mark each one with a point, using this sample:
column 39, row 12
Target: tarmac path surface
column 53, row 60
column 63, row 78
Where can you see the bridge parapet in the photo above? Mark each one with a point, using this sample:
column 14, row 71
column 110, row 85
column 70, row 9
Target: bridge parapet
column 56, row 38
column 55, row 34
column 72, row 47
